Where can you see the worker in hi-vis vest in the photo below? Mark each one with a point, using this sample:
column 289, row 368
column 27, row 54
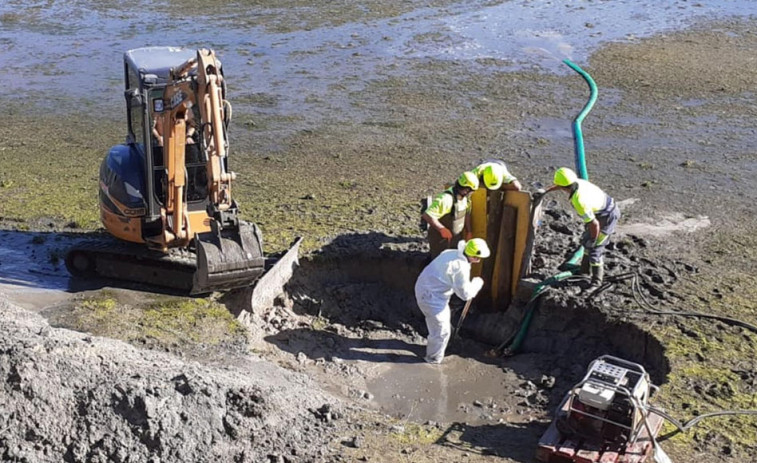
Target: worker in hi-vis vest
column 599, row 213
column 494, row 175
column 448, row 273
column 449, row 214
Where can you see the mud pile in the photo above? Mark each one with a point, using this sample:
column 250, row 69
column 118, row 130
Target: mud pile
column 349, row 319
column 362, row 279
column 576, row 322
column 72, row 397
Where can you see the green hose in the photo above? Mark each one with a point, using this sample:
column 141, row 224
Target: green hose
column 578, row 139
column 572, row 265
column 531, row 307
column 574, row 262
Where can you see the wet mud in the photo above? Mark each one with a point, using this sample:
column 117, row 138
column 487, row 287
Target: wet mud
column 344, row 117
column 350, row 314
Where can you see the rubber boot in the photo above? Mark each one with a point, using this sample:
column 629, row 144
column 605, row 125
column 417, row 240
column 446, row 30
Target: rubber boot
column 597, row 275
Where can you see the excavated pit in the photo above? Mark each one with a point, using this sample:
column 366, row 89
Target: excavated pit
column 357, row 327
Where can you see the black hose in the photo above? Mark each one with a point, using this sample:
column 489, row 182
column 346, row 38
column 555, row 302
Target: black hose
column 683, row 427
column 652, row 310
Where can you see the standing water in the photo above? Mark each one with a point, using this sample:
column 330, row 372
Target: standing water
column 295, row 55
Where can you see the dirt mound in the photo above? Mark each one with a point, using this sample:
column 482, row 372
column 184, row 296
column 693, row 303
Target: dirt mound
column 362, row 278
column 68, row 396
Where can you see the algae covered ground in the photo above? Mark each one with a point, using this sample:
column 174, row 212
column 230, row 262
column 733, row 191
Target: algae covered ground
column 673, row 131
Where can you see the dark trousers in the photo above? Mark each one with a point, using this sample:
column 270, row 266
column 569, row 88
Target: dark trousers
column 607, row 223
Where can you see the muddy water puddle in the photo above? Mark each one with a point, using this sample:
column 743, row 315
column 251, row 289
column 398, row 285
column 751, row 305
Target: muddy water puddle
column 665, row 226
column 384, row 370
column 459, row 390
column 32, row 274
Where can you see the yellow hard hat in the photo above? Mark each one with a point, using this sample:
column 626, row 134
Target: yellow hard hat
column 565, row 177
column 468, row 180
column 477, row 247
column 492, row 177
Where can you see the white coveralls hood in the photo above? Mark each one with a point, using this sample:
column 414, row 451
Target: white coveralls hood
column 447, row 274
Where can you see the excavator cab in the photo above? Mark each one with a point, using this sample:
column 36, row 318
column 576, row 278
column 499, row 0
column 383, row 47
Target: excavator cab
column 147, row 77
column 168, row 186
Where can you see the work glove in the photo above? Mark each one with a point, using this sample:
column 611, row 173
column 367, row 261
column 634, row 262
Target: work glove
column 538, row 194
column 477, row 283
column 446, row 234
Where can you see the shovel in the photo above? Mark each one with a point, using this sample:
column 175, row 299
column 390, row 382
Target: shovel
column 462, row 317
column 659, row 455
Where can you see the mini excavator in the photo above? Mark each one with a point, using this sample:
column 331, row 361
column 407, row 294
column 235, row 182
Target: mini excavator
column 166, row 194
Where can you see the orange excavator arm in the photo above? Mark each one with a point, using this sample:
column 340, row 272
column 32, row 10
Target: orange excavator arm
column 181, row 94
column 213, row 109
column 176, row 230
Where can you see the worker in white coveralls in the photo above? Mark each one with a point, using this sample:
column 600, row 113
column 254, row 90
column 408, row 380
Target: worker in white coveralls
column 448, row 273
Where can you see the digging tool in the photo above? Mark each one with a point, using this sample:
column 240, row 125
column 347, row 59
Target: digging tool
column 462, row 317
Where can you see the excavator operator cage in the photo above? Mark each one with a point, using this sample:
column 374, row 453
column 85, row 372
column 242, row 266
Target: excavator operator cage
column 147, row 72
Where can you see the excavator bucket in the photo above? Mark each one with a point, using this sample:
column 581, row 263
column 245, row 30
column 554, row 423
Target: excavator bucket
column 231, row 259
column 228, row 258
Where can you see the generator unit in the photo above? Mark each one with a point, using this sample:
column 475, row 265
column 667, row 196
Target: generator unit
column 608, row 404
column 604, row 418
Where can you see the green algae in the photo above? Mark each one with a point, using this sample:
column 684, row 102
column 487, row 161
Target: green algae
column 408, row 433
column 159, row 322
column 50, row 168
column 713, row 365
